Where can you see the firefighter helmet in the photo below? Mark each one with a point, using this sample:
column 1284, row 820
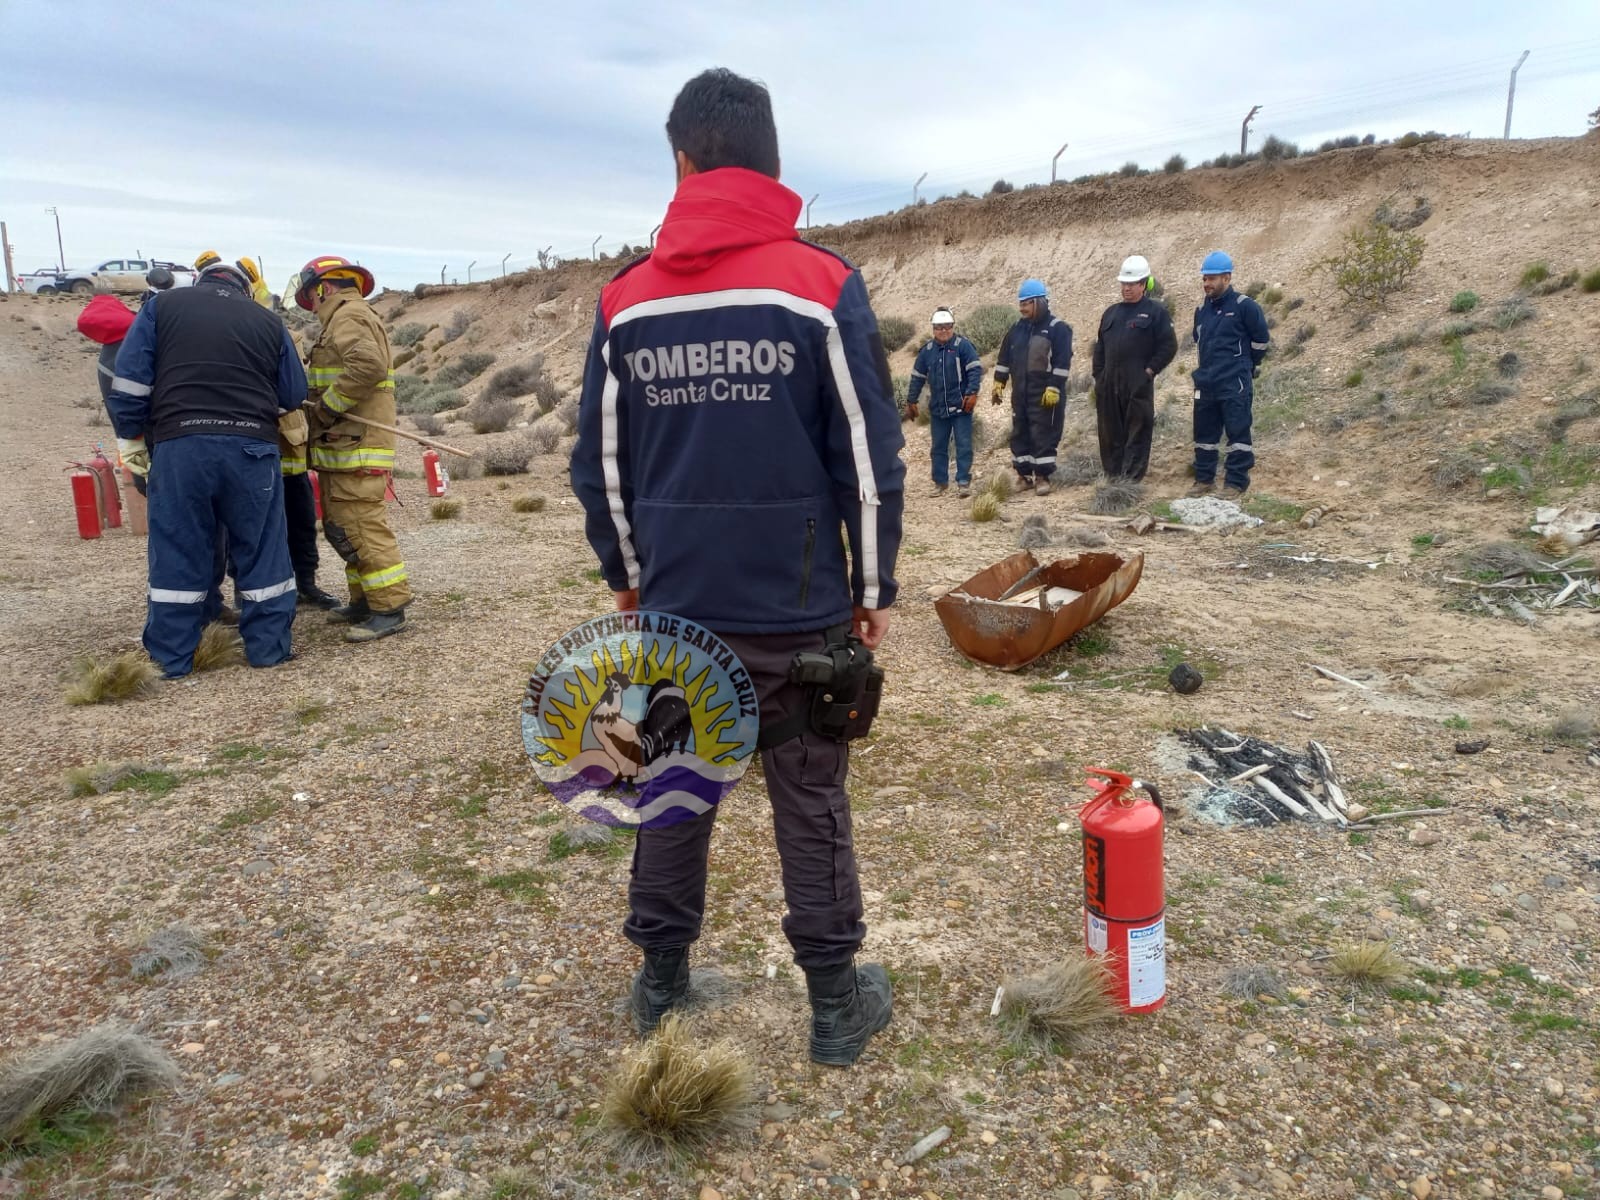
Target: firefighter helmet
column 206, row 258
column 330, row 266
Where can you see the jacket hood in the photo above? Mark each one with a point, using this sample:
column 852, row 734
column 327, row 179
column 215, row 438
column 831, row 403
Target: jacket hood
column 718, row 211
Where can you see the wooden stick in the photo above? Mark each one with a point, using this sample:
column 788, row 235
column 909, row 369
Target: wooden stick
column 1282, row 797
column 1247, row 776
column 1338, row 678
column 1330, row 777
column 406, row 433
column 1410, row 812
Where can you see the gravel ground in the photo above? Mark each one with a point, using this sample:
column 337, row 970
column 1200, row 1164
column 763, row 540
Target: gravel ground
column 410, row 988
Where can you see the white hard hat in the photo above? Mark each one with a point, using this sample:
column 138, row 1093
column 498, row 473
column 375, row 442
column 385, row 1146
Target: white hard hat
column 943, row 316
column 1135, row 269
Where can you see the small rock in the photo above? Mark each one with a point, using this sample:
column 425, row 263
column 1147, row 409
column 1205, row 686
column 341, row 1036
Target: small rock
column 495, row 1058
column 258, row 867
column 1554, row 882
column 1422, row 1187
column 545, row 980
column 511, row 982
column 1496, row 934
column 1527, row 903
column 708, row 1192
column 1439, row 1108
column 227, row 1080
column 318, row 1076
column 397, row 1064
column 778, row 1112
column 1101, row 1184
column 820, row 1160
column 1185, row 680
column 1422, row 837
column 1551, row 1192
column 1359, row 812
column 987, row 1137
column 456, row 1007
column 1475, row 747
column 191, row 1048
column 1253, row 1040
column 1564, row 923
column 1554, row 1089
column 938, row 590
column 476, row 1080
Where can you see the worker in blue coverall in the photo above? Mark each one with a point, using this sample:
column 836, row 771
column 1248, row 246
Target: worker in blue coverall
column 948, row 366
column 201, row 378
column 1230, row 334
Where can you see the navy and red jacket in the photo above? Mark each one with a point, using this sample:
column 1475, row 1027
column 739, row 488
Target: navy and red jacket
column 737, row 422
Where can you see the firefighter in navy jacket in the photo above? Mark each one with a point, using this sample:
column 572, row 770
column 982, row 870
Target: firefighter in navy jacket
column 1230, row 335
column 1135, row 345
column 1034, row 358
column 736, row 414
column 948, row 366
column 204, row 373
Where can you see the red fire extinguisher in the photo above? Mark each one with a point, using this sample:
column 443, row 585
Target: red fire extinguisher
column 86, row 500
column 435, row 472
column 110, row 494
column 1124, row 901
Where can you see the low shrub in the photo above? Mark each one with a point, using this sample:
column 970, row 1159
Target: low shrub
column 1373, row 263
column 987, row 326
column 528, row 504
column 1175, row 165
column 1590, row 282
column 1001, row 187
column 1511, row 313
column 1534, row 272
column 465, row 368
column 492, row 416
column 456, row 325
column 508, row 456
column 895, row 332
column 408, row 334
column 546, row 435
column 445, row 510
column 1463, row 302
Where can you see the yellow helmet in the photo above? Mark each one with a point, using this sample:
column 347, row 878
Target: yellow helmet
column 207, row 258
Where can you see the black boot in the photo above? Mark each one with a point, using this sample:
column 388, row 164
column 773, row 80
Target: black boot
column 661, row 986
column 350, row 614
column 377, row 625
column 311, row 596
column 848, row 1005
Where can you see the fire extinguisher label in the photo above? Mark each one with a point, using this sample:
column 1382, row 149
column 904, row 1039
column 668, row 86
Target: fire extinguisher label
column 1095, row 934
column 1147, row 963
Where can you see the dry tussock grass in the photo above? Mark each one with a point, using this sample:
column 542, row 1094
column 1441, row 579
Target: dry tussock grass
column 1058, row 1006
column 1368, row 963
column 985, row 507
column 94, row 1073
column 124, row 677
column 674, row 1096
column 219, row 646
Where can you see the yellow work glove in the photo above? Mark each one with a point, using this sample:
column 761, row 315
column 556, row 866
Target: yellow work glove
column 1051, row 398
column 135, row 455
column 999, row 393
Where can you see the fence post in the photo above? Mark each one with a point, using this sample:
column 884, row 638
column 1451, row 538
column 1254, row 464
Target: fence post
column 470, row 265
column 914, row 188
column 809, row 203
column 1244, row 130
column 653, row 233
column 503, row 265
column 1053, row 161
column 594, row 247
column 1511, row 92
column 441, row 274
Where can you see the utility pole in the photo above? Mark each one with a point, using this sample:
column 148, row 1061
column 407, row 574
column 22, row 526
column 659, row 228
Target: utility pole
column 470, row 265
column 653, row 233
column 809, row 203
column 5, row 245
column 1059, row 153
column 503, row 264
column 914, row 188
column 1244, row 130
column 594, row 247
column 63, row 261
column 1511, row 92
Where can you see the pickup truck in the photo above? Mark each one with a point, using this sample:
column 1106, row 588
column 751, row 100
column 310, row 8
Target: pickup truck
column 118, row 275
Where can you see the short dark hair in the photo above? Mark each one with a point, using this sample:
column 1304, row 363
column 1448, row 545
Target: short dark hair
column 725, row 120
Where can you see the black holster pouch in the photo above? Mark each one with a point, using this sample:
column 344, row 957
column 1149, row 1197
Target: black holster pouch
column 843, row 689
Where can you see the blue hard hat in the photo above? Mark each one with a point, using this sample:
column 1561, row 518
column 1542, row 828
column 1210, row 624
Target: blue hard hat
column 1217, row 263
column 1032, row 289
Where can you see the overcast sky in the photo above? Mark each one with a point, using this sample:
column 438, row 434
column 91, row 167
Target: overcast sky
column 415, row 136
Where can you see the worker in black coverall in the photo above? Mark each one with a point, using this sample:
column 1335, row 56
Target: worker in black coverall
column 1135, row 344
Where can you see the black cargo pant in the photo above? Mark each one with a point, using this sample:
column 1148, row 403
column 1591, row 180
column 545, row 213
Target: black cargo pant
column 1127, row 422
column 300, row 508
column 810, row 816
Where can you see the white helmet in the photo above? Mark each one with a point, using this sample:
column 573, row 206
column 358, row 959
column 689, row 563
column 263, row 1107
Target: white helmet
column 943, row 316
column 1135, row 269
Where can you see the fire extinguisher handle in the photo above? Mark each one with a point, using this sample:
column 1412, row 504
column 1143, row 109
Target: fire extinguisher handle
column 1155, row 794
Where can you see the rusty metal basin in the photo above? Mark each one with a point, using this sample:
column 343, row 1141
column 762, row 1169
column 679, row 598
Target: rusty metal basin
column 1058, row 599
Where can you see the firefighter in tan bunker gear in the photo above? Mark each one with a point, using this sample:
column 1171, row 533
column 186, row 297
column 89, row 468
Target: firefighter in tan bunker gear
column 351, row 373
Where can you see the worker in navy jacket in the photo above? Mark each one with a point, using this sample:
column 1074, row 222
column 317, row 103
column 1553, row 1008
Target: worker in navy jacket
column 202, row 377
column 1034, row 359
column 948, row 366
column 736, row 415
column 1230, row 335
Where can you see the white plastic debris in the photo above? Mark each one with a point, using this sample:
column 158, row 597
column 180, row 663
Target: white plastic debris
column 1212, row 511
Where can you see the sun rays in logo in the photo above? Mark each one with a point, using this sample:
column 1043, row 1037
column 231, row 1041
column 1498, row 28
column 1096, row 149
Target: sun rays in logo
column 712, row 716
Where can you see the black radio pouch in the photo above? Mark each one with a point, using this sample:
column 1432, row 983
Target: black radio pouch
column 843, row 690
